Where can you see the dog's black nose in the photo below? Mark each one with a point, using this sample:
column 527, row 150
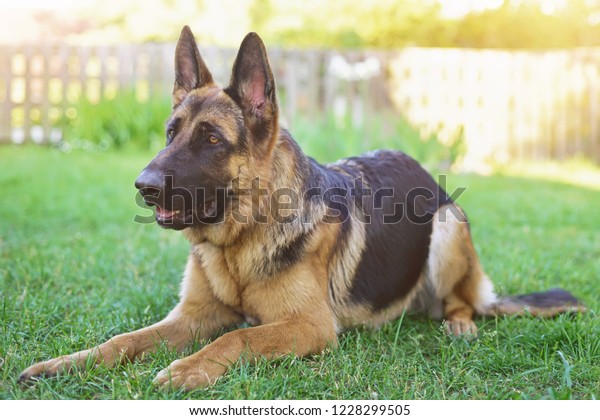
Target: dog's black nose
column 149, row 182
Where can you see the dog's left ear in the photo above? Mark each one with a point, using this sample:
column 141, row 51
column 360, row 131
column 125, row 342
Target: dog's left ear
column 252, row 86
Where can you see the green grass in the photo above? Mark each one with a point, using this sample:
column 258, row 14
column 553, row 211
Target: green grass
column 75, row 270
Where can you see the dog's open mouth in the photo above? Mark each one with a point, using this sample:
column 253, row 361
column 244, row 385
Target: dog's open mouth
column 164, row 214
column 182, row 218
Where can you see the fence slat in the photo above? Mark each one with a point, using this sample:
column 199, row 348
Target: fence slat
column 46, row 53
column 6, row 109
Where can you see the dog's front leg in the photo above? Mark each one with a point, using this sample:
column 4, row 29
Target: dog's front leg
column 198, row 315
column 300, row 335
column 119, row 348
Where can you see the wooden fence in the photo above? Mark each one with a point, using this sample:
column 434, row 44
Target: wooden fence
column 508, row 105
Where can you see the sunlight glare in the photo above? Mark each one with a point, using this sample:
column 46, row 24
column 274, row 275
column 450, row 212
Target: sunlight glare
column 454, row 9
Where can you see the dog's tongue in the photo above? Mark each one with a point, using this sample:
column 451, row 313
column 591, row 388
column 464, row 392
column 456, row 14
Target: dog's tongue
column 164, row 213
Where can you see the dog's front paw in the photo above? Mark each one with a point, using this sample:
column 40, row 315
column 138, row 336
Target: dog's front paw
column 189, row 373
column 62, row 364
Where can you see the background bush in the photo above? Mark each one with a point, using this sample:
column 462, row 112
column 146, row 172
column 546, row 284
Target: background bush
column 328, row 139
column 118, row 122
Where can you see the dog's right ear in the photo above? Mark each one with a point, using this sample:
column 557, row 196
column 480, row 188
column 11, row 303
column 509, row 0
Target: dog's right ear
column 190, row 70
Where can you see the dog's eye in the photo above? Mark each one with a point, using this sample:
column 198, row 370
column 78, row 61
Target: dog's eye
column 170, row 134
column 213, row 140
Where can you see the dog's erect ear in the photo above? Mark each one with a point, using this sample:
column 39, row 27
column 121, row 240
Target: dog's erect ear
column 190, row 70
column 253, row 87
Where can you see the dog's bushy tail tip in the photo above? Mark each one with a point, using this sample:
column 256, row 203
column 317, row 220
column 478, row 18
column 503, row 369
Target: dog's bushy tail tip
column 544, row 304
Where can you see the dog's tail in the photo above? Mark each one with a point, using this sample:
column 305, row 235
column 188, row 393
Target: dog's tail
column 543, row 304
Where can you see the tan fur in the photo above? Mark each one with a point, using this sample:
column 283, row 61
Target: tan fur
column 292, row 311
column 455, row 285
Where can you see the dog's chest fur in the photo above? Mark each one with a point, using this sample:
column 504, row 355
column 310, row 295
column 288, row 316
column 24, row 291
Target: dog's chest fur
column 233, row 275
column 227, row 275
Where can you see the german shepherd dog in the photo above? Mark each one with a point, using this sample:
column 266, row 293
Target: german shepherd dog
column 299, row 250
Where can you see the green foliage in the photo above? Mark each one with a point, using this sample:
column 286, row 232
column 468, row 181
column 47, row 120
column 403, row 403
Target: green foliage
column 117, row 122
column 394, row 24
column 525, row 25
column 350, row 24
column 79, row 270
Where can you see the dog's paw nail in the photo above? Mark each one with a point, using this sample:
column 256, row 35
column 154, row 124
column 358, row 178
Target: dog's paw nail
column 162, row 379
column 29, row 376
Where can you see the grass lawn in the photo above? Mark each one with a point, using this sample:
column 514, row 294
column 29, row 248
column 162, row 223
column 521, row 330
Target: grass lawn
column 75, row 270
